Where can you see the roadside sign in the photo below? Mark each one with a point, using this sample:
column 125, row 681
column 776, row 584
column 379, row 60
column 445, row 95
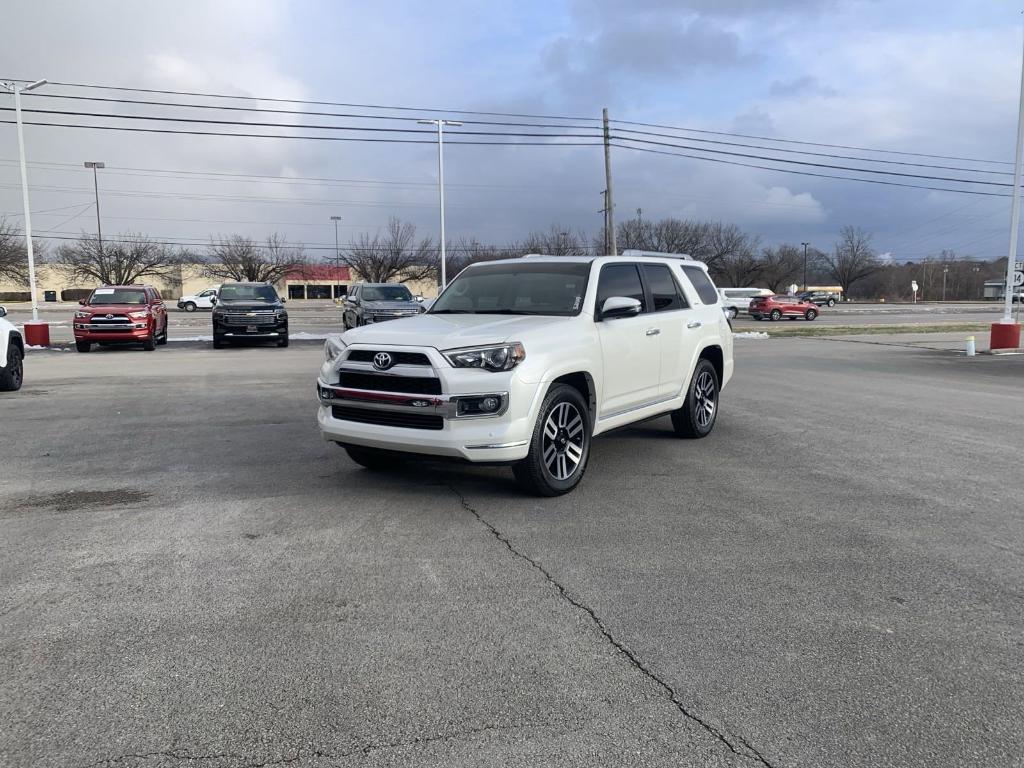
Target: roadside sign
column 1018, row 278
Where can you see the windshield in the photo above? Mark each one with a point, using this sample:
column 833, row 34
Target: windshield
column 516, row 288
column 386, row 293
column 118, row 296
column 262, row 293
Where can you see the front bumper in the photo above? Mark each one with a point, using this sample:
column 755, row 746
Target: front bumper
column 126, row 332
column 250, row 331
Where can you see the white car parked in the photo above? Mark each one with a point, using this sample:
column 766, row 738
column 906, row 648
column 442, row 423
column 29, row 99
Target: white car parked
column 524, row 361
column 12, row 355
column 202, row 300
column 736, row 300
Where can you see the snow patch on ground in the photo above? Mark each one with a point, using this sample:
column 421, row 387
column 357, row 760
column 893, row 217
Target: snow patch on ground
column 46, row 349
column 750, row 335
column 298, row 336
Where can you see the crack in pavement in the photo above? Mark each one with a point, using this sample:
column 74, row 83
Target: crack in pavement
column 750, row 752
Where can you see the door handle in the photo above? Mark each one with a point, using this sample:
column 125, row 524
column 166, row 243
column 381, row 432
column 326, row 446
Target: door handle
column 694, row 324
column 653, row 331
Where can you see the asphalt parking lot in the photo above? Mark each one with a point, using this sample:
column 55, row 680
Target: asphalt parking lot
column 189, row 575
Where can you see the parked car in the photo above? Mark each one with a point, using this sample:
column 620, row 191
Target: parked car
column 12, row 355
column 737, row 300
column 121, row 314
column 249, row 311
column 779, row 306
column 820, row 298
column 375, row 302
column 523, row 361
column 202, row 300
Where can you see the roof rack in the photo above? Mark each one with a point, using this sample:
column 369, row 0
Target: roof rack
column 637, row 252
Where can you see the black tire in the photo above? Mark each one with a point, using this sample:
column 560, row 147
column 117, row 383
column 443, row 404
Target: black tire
column 569, row 417
column 218, row 341
column 756, row 317
column 150, row 342
column 12, row 375
column 282, row 340
column 370, row 458
column 694, row 420
column 775, row 315
column 831, row 302
column 810, row 314
column 83, row 346
column 189, row 306
column 162, row 339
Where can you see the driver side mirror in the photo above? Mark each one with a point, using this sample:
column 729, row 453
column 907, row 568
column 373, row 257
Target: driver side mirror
column 213, row 300
column 283, row 299
column 619, row 306
column 82, row 302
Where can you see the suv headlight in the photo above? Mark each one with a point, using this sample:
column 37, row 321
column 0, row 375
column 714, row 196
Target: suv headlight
column 139, row 315
column 82, row 314
column 333, row 348
column 501, row 357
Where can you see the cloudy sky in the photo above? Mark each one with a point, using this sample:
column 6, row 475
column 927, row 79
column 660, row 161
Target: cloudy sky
column 938, row 78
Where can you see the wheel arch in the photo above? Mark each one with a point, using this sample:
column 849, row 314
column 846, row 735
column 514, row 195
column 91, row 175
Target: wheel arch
column 582, row 382
column 716, row 356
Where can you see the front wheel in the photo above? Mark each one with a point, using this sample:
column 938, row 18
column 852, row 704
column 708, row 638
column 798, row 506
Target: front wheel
column 831, row 302
column 83, row 346
column 218, row 341
column 282, row 340
column 811, row 314
column 697, row 417
column 775, row 315
column 11, row 376
column 150, row 343
column 560, row 445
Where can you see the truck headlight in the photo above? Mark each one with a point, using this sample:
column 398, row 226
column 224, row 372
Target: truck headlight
column 281, row 315
column 501, row 357
column 333, row 348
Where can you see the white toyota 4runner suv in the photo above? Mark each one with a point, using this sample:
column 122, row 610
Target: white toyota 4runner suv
column 524, row 361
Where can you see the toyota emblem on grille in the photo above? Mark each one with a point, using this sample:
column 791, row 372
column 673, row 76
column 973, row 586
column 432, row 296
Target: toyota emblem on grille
column 110, row 317
column 382, row 361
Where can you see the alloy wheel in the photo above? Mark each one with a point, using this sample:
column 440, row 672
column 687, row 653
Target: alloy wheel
column 564, row 441
column 704, row 395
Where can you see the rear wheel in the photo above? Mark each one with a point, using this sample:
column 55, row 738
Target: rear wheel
column 775, row 315
column 12, row 374
column 697, row 416
column 83, row 346
column 811, row 314
column 162, row 339
column 371, row 458
column 560, row 445
column 189, row 306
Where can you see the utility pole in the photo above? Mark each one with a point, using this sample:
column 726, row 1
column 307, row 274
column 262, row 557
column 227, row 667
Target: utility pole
column 1014, row 219
column 604, row 226
column 17, row 90
column 440, row 183
column 945, row 271
column 337, row 255
column 609, row 200
column 805, row 264
column 96, row 189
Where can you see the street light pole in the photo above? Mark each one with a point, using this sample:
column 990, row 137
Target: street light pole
column 440, row 183
column 805, row 264
column 945, row 271
column 17, row 90
column 337, row 250
column 96, row 189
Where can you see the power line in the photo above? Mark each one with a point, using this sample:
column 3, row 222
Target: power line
column 809, row 173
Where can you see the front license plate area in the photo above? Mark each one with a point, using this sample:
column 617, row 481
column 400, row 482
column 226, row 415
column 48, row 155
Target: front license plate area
column 250, row 329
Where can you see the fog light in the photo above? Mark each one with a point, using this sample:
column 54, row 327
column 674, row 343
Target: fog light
column 479, row 406
column 489, row 404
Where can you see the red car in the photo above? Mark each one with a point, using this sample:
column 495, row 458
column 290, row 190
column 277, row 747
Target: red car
column 776, row 307
column 121, row 314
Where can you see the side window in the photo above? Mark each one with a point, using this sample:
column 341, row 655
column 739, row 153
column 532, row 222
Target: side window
column 664, row 289
column 620, row 280
column 701, row 281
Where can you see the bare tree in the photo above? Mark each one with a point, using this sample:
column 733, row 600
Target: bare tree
column 122, row 261
column 853, row 258
column 393, row 255
column 739, row 269
column 470, row 251
column 665, row 236
column 241, row 258
column 13, row 258
column 557, row 241
column 781, row 265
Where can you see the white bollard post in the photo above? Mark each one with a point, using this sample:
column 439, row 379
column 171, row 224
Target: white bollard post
column 970, row 346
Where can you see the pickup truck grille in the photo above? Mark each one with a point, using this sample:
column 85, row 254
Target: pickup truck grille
column 387, row 418
column 399, row 358
column 413, row 385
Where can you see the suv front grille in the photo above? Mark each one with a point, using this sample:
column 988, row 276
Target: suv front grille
column 258, row 318
column 413, row 385
column 387, row 418
column 399, row 358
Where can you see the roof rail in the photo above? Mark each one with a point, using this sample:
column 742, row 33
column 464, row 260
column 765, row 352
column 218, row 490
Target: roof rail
column 637, row 252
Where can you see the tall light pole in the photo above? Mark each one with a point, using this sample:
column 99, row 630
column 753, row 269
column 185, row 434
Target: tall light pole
column 440, row 183
column 17, row 90
column 337, row 251
column 805, row 264
column 945, row 271
column 96, row 189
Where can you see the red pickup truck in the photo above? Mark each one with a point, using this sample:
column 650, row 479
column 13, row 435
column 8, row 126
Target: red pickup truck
column 121, row 314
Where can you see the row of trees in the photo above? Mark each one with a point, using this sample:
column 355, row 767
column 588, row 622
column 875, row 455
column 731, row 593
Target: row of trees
column 396, row 252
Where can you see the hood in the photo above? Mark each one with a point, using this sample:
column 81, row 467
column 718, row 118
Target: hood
column 453, row 331
column 112, row 309
column 391, row 305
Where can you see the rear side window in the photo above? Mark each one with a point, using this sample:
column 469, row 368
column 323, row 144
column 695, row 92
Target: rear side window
column 664, row 289
column 701, row 281
column 620, row 280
